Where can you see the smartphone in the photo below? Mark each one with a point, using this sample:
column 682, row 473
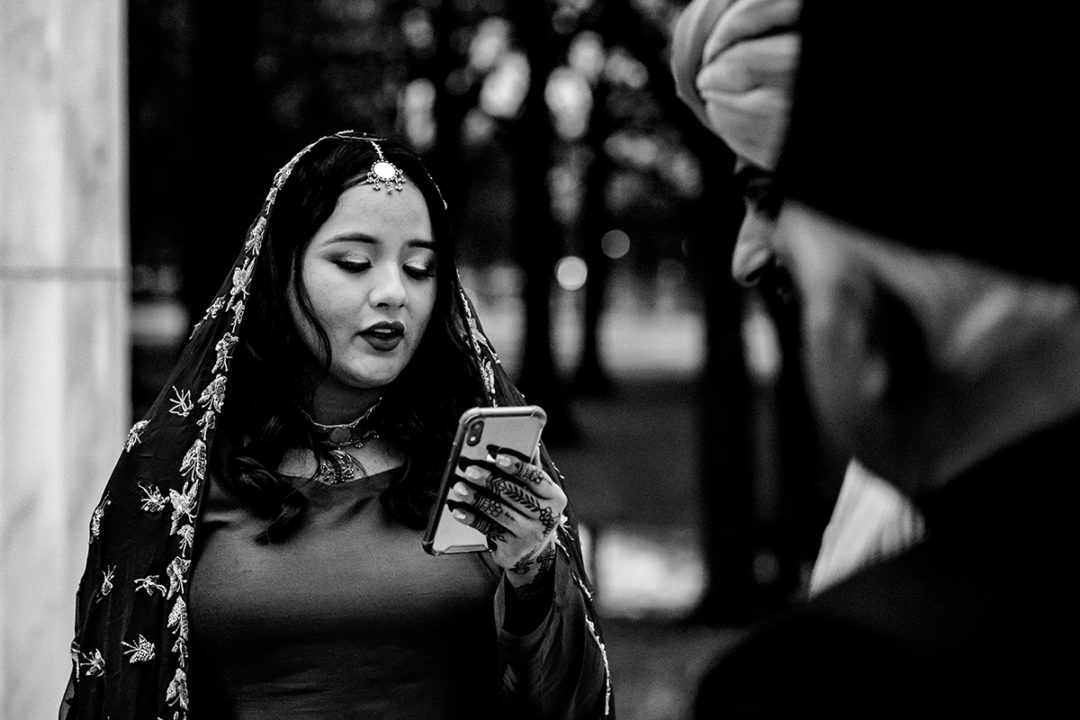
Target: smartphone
column 515, row 428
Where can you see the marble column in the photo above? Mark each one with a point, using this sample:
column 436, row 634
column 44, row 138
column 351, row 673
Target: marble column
column 64, row 307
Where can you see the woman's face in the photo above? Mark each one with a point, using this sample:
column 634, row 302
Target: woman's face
column 370, row 277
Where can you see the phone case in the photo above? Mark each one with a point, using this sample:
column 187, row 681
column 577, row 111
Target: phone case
column 517, row 428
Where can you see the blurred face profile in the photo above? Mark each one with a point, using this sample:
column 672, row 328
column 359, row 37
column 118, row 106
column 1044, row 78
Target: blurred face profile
column 754, row 255
column 370, row 275
column 754, row 261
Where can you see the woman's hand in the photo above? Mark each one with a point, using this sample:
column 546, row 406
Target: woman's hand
column 518, row 506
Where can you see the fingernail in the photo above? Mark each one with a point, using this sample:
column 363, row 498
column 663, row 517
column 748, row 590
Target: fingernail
column 458, row 515
column 473, row 473
column 458, row 491
column 503, row 461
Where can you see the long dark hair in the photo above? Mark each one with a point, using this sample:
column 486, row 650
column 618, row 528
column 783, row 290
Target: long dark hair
column 271, row 379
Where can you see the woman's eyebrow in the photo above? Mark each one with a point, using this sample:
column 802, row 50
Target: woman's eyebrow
column 352, row 237
column 366, row 239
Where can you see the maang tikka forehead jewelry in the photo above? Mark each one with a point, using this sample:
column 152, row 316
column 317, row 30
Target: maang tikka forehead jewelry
column 384, row 173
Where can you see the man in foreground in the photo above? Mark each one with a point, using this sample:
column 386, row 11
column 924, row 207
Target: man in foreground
column 941, row 321
column 734, row 64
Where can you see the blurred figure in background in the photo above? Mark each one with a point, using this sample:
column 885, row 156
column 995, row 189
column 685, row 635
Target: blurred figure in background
column 928, row 225
column 262, row 558
column 734, row 64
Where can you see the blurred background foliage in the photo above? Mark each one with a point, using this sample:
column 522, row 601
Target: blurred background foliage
column 551, row 126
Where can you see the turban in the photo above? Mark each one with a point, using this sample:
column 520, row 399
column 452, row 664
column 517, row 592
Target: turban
column 734, row 65
column 950, row 127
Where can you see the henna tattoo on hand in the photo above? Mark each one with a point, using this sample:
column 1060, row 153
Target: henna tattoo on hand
column 495, row 483
column 522, row 566
column 531, row 473
column 493, row 530
column 490, row 507
column 542, row 556
column 512, row 491
column 544, row 563
column 548, row 519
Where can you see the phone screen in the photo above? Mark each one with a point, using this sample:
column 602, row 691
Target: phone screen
column 480, row 431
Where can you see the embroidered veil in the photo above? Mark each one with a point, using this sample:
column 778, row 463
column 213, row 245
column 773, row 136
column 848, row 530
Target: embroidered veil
column 130, row 651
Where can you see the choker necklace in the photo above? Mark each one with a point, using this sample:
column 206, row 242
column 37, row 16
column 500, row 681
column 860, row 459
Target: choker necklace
column 339, row 465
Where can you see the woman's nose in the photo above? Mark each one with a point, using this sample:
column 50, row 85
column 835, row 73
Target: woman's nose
column 389, row 289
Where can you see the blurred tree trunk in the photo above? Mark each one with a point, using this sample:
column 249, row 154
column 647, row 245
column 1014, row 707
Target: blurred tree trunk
column 446, row 158
column 227, row 152
column 591, row 378
column 729, row 517
column 618, row 24
column 536, row 234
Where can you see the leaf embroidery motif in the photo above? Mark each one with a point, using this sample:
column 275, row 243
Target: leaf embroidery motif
column 153, row 500
column 194, row 462
column 206, row 423
column 183, row 503
column 187, row 538
column 238, row 315
column 177, row 572
column 140, row 651
column 224, row 348
column 150, row 584
column 215, row 307
column 178, row 623
column 135, row 434
column 182, row 404
column 213, row 396
column 107, row 581
column 241, row 280
column 177, row 691
column 254, row 243
column 95, row 518
column 94, row 664
column 480, row 344
column 211, row 312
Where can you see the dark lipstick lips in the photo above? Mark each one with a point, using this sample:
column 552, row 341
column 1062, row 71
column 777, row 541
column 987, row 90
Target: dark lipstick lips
column 384, row 336
column 385, row 329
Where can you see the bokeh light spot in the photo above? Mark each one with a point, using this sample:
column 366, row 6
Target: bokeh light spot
column 571, row 272
column 615, row 244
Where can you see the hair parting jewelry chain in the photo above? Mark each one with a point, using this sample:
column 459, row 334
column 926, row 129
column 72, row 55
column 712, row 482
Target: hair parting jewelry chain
column 384, row 174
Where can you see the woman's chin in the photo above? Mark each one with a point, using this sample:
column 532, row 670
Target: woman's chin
column 367, row 378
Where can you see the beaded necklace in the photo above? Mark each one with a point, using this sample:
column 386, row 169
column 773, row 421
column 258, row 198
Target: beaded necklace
column 336, row 465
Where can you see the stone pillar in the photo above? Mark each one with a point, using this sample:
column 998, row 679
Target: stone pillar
column 64, row 307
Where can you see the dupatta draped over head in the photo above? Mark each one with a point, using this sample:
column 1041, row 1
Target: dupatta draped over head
column 130, row 652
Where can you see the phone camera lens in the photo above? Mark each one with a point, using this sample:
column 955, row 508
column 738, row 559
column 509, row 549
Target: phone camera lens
column 475, row 431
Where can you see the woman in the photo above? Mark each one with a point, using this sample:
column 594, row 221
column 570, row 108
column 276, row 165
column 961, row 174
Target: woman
column 262, row 557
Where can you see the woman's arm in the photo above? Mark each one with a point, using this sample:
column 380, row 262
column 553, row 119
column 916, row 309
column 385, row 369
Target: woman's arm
column 553, row 661
column 557, row 668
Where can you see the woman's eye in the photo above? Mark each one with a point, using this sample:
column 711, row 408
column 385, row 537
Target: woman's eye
column 422, row 270
column 352, row 265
